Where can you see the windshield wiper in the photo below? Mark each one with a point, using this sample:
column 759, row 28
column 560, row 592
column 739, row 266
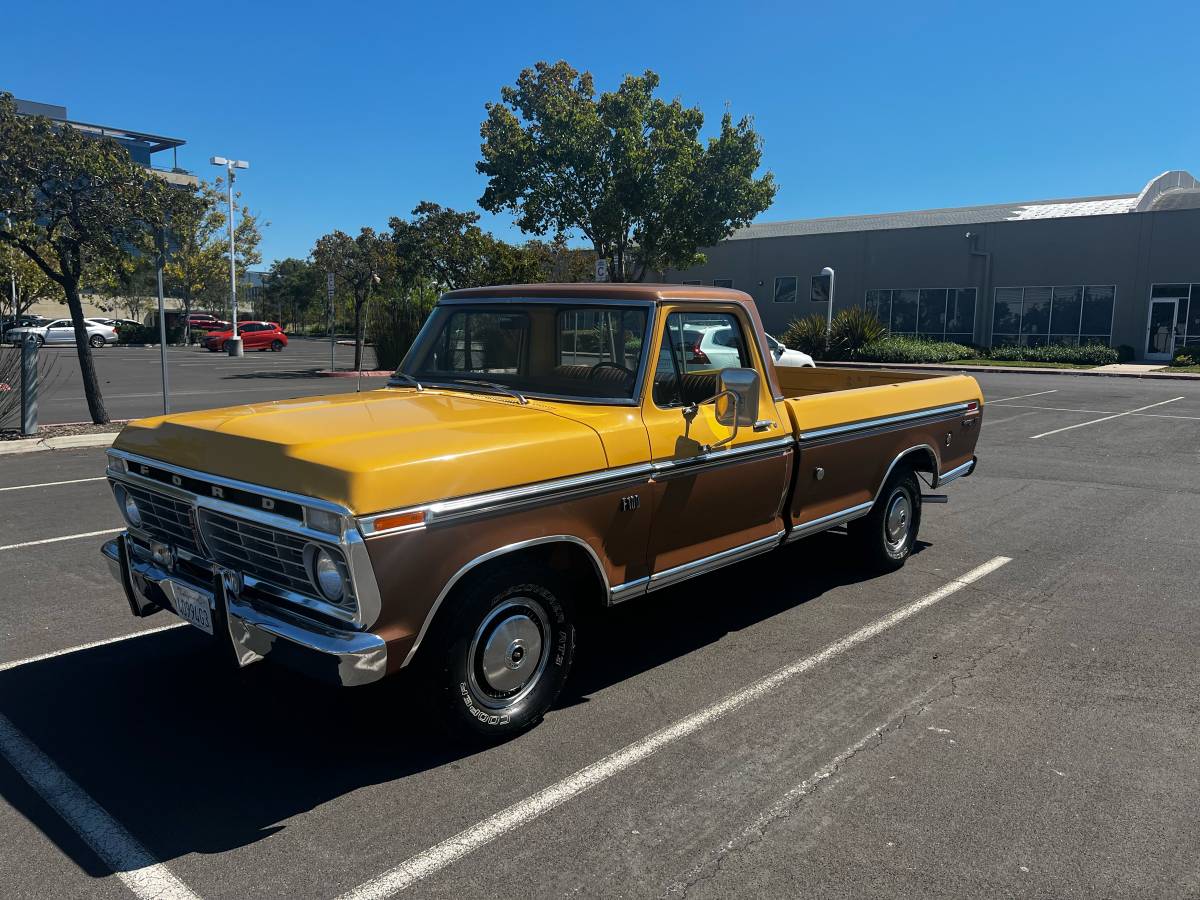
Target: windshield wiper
column 405, row 378
column 498, row 388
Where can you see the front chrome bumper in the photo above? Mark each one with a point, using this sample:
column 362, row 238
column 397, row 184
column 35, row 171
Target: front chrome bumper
column 255, row 631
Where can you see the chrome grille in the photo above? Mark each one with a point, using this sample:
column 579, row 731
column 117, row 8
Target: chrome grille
column 262, row 552
column 165, row 519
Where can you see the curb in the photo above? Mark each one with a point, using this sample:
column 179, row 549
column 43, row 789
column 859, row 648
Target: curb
column 65, row 442
column 341, row 373
column 1011, row 370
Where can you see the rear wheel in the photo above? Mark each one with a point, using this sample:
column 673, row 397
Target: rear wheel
column 500, row 661
column 887, row 534
column 96, row 341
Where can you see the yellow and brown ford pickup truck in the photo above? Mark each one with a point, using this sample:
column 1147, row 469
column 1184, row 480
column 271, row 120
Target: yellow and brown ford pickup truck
column 542, row 449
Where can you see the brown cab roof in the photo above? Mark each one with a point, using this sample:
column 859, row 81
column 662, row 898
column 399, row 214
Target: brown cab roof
column 607, row 291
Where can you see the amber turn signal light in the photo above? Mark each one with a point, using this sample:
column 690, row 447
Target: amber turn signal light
column 399, row 520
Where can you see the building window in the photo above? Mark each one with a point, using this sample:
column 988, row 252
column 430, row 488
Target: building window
column 696, row 281
column 944, row 314
column 786, row 287
column 723, row 282
column 1062, row 314
column 1187, row 328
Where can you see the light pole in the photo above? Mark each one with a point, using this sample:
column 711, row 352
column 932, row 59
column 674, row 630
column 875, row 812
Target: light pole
column 829, row 313
column 234, row 344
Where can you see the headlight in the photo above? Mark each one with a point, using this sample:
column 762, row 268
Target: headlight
column 326, row 574
column 129, row 507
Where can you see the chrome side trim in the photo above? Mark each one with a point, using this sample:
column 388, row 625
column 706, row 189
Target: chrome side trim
column 804, row 529
column 712, row 459
column 622, row 592
column 883, row 422
column 350, row 540
column 493, row 554
column 509, row 498
column 715, row 561
column 957, row 472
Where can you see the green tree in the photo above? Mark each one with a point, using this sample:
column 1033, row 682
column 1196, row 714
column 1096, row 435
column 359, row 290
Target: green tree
column 71, row 201
column 294, row 287
column 22, row 282
column 626, row 169
column 359, row 265
column 197, row 267
column 439, row 245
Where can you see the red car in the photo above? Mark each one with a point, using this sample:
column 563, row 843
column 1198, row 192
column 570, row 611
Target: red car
column 254, row 335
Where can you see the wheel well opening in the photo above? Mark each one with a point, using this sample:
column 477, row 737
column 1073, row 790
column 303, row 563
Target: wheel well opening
column 569, row 560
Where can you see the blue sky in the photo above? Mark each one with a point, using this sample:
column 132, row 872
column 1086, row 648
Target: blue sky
column 351, row 113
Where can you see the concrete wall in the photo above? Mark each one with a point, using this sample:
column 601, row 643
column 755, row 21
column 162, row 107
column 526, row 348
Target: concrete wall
column 1128, row 250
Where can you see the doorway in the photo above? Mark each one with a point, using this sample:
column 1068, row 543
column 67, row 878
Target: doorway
column 1161, row 328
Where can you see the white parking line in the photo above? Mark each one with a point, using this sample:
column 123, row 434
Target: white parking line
column 1104, row 412
column 17, row 663
column 65, row 537
column 1020, row 397
column 992, row 423
column 465, row 842
column 22, row 487
column 1105, row 419
column 131, row 862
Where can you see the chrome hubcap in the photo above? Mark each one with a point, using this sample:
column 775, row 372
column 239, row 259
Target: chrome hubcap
column 507, row 652
column 896, row 522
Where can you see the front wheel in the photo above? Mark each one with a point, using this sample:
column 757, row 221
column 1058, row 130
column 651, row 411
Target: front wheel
column 887, row 534
column 505, row 655
column 276, row 346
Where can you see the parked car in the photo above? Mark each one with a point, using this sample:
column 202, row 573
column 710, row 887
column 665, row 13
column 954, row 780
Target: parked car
column 62, row 331
column 786, row 356
column 254, row 335
column 118, row 324
column 470, row 517
column 25, row 321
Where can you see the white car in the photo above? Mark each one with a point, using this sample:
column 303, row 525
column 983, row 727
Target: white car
column 61, row 331
column 785, row 356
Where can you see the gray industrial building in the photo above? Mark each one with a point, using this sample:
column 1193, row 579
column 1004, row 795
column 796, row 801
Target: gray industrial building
column 1121, row 269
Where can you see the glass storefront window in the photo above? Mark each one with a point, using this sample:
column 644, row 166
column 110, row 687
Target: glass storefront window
column 785, row 288
column 904, row 312
column 931, row 313
column 1063, row 314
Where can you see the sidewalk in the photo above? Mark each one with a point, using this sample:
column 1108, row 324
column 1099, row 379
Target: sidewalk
column 63, row 442
column 1116, row 370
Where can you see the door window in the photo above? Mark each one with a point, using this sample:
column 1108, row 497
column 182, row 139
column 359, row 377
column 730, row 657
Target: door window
column 695, row 348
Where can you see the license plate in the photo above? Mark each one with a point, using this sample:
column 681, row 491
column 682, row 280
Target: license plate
column 192, row 606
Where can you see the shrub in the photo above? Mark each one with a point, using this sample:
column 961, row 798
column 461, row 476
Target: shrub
column 1187, row 356
column 1084, row 354
column 806, row 335
column 907, row 349
column 851, row 330
column 148, row 334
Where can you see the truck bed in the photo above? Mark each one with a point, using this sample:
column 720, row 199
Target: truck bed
column 822, row 398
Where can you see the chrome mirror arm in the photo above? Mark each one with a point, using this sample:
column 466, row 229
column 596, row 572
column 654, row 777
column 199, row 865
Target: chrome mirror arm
column 690, row 411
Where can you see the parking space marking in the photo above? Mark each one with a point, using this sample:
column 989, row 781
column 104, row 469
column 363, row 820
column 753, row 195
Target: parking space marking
column 1020, row 396
column 992, row 423
column 1102, row 412
column 17, row 663
column 1105, row 419
column 442, row 855
column 138, row 870
column 22, row 487
column 65, row 537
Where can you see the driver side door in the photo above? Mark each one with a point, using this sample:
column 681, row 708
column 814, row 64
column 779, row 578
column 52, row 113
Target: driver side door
column 710, row 506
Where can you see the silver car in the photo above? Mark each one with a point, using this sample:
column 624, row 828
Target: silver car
column 62, row 331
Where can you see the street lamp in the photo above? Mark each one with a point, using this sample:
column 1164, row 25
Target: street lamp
column 234, row 343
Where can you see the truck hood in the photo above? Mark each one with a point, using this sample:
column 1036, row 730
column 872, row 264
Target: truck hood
column 378, row 450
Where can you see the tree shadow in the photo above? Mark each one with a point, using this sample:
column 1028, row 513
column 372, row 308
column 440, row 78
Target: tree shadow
column 194, row 757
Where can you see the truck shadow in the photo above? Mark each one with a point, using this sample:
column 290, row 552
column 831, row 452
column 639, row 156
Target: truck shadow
column 193, row 757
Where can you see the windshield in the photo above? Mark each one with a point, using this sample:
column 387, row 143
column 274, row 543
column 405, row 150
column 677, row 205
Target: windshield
column 567, row 350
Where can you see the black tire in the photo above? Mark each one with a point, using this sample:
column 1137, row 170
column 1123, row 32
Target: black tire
column 96, row 341
column 276, row 346
column 520, row 621
column 887, row 534
column 39, row 340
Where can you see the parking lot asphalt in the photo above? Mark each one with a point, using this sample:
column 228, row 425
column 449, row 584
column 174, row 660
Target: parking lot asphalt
column 131, row 385
column 1031, row 733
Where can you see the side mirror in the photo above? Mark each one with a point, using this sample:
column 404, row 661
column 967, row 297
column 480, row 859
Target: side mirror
column 736, row 402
